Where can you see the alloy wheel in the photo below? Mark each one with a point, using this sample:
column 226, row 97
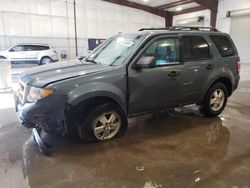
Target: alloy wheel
column 217, row 100
column 106, row 126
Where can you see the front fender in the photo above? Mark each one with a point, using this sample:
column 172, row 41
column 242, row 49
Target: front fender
column 97, row 89
column 3, row 55
column 219, row 73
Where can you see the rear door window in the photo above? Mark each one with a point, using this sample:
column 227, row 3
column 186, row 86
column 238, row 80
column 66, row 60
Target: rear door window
column 35, row 48
column 194, row 48
column 29, row 48
column 223, row 45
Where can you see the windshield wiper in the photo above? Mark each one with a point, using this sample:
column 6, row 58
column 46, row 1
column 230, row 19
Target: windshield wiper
column 112, row 63
column 93, row 61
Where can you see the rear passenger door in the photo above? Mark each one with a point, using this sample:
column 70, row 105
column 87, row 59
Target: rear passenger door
column 31, row 52
column 196, row 55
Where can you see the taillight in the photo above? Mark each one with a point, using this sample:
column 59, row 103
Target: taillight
column 238, row 67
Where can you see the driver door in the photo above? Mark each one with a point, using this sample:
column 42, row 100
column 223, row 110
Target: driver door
column 160, row 86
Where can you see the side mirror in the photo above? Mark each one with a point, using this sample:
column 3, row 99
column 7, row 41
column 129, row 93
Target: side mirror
column 11, row 50
column 145, row 62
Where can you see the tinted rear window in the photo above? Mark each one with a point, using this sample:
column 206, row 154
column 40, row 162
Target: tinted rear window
column 223, row 45
column 43, row 47
column 194, row 48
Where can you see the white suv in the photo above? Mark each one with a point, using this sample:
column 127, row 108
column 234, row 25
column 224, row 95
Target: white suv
column 30, row 53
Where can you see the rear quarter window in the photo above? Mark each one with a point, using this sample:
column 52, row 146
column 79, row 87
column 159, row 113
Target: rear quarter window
column 224, row 45
column 43, row 47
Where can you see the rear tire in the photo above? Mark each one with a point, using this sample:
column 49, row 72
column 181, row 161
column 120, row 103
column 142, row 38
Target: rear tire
column 45, row 60
column 102, row 122
column 215, row 100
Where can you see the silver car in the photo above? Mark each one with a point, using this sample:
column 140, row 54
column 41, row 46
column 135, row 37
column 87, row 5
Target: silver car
column 30, row 53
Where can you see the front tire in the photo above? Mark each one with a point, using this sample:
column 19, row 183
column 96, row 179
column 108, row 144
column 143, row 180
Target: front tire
column 102, row 122
column 215, row 100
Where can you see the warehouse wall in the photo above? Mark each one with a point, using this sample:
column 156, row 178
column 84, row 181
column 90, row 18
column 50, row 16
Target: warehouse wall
column 224, row 23
column 183, row 17
column 51, row 21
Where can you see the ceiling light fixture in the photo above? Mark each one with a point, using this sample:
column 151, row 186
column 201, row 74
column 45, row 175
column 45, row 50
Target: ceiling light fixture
column 179, row 9
column 145, row 1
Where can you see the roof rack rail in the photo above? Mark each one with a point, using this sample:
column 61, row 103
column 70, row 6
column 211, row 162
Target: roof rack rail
column 187, row 28
column 156, row 28
column 182, row 28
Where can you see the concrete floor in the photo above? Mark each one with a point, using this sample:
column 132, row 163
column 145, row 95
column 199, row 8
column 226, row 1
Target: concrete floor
column 175, row 149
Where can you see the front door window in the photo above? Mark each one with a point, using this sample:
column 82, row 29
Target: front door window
column 165, row 51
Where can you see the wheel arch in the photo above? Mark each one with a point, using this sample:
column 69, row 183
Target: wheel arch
column 2, row 57
column 224, row 80
column 110, row 94
column 45, row 56
column 98, row 100
column 76, row 110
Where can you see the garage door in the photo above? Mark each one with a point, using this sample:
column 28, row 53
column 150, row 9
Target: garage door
column 240, row 32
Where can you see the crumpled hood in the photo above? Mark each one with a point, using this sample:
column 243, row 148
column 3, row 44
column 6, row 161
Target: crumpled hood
column 46, row 74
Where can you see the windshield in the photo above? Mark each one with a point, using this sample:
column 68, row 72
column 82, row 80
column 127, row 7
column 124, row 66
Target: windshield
column 115, row 50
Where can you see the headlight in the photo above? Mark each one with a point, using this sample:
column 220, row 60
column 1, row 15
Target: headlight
column 38, row 93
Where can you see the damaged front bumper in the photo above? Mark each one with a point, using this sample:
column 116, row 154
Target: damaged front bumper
column 43, row 146
column 46, row 114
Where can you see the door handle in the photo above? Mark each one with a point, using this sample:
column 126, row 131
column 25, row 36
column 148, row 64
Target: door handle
column 173, row 74
column 209, row 67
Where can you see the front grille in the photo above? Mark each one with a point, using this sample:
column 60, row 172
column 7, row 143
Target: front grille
column 22, row 89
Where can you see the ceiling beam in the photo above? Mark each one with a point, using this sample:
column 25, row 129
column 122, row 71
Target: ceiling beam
column 174, row 4
column 213, row 6
column 189, row 10
column 209, row 4
column 146, row 8
column 153, row 10
column 169, row 20
column 213, row 17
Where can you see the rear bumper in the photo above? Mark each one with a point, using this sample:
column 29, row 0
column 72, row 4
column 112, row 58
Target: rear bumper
column 237, row 79
column 47, row 113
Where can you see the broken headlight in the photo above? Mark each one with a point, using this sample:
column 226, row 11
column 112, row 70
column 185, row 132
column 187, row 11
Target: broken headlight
column 37, row 93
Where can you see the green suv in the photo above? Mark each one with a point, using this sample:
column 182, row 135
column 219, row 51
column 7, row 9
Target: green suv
column 130, row 74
